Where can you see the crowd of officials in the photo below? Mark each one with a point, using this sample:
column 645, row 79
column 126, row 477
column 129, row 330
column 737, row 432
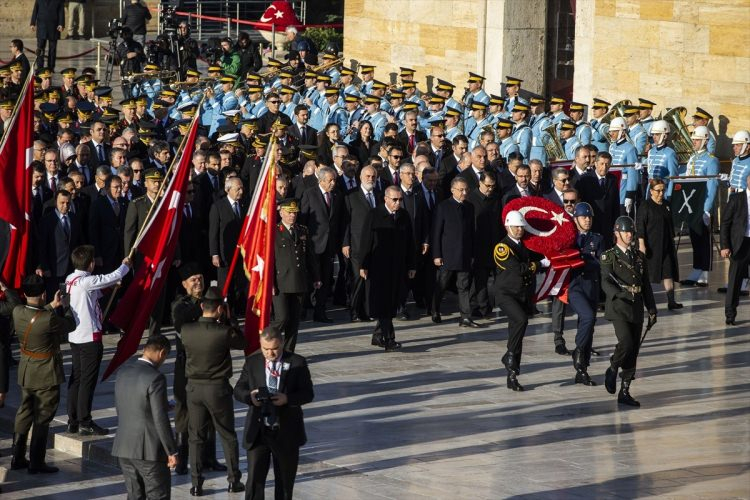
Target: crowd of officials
column 385, row 195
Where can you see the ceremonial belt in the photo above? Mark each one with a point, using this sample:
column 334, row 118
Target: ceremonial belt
column 32, row 354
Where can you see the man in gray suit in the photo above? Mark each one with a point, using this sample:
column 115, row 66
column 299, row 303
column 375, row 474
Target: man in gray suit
column 144, row 442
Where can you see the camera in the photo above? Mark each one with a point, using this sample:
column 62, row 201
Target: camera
column 212, row 50
column 168, row 22
column 114, row 28
column 267, row 409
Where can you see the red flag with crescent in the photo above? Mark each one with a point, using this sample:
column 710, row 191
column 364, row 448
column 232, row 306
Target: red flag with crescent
column 281, row 14
column 550, row 231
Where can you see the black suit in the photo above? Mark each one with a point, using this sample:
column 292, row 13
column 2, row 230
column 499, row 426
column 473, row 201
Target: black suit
column 54, row 248
column 574, row 176
column 207, row 194
column 426, row 270
column 310, row 135
column 471, row 178
column 95, row 160
column 224, row 227
column 416, row 207
column 43, row 195
column 324, row 225
column 46, row 17
column 106, row 233
column 514, row 192
column 488, row 231
column 554, row 198
column 260, row 441
column 403, row 138
column 453, row 242
column 26, row 66
column 357, row 207
column 732, row 237
column 604, row 200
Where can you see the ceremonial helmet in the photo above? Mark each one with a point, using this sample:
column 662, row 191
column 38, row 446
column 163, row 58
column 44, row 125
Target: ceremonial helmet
column 618, row 125
column 515, row 218
column 625, row 224
column 700, row 133
column 583, row 209
column 660, row 127
column 742, row 137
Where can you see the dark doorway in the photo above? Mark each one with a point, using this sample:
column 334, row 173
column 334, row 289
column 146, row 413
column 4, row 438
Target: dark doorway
column 561, row 34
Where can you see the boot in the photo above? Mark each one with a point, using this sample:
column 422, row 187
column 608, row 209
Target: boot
column 390, row 342
column 580, row 363
column 38, row 451
column 671, row 303
column 513, row 383
column 610, row 379
column 624, row 397
column 182, row 454
column 19, row 452
column 512, row 364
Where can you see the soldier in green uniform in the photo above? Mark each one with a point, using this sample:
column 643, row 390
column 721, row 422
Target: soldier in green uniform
column 40, row 329
column 7, row 304
column 208, row 368
column 626, row 285
column 293, row 259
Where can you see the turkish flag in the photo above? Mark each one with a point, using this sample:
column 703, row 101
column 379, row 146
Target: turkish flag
column 256, row 245
column 156, row 244
column 16, row 152
column 281, row 14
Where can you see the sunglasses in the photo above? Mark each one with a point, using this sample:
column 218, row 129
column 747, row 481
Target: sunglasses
column 396, row 157
column 273, row 102
column 569, row 202
column 396, row 199
column 137, row 171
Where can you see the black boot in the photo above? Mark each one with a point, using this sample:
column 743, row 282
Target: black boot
column 183, row 448
column 671, row 303
column 38, row 451
column 19, row 452
column 624, row 397
column 390, row 341
column 580, row 363
column 610, row 379
column 512, row 364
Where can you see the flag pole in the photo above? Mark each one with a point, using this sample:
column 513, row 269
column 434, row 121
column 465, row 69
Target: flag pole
column 16, row 106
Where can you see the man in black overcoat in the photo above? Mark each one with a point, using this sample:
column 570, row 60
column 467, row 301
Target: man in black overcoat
column 47, row 20
column 600, row 189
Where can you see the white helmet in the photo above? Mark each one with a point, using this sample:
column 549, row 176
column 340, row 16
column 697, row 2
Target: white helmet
column 515, row 218
column 742, row 137
column 617, row 124
column 660, row 127
column 700, row 133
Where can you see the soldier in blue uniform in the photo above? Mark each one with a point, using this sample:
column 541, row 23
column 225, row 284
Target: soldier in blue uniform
column 512, row 88
column 662, row 160
column 496, row 109
column 504, row 128
column 474, row 93
column 452, row 123
column 407, row 75
column 522, row 134
column 287, row 95
column 367, row 72
column 583, row 290
column 226, row 101
column 435, row 111
column 353, row 114
column 332, row 71
column 599, row 130
column 476, row 122
column 411, row 94
column 347, row 84
column 626, row 285
column 701, row 118
column 538, row 121
column 395, row 103
column 253, row 106
column 379, row 89
column 377, row 118
column 568, row 138
column 335, row 113
column 556, row 112
column 583, row 129
column 636, row 132
column 445, row 89
column 702, row 163
column 645, row 110
column 624, row 153
column 741, row 162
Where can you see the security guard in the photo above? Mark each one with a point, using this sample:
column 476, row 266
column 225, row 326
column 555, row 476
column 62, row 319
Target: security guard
column 293, row 262
column 516, row 268
column 662, row 160
column 583, row 290
column 626, row 285
column 208, row 368
column 599, row 129
column 702, row 162
column 40, row 329
column 740, row 162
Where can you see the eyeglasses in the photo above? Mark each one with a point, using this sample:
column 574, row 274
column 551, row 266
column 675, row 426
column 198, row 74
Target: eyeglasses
column 273, row 102
column 395, row 157
column 657, row 190
column 569, row 202
column 489, row 186
column 564, row 181
column 438, row 135
column 396, row 199
column 137, row 171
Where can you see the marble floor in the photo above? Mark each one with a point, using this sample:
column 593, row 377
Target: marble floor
column 436, row 421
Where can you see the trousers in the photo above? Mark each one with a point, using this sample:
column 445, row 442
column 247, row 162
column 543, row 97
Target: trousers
column 86, row 359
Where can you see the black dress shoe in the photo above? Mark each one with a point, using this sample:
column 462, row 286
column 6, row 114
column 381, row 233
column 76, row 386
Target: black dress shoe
column 377, row 340
column 672, row 306
column 196, row 491
column 43, row 469
column 594, row 352
column 436, row 318
column 584, row 378
column 562, row 350
column 469, row 323
column 322, row 319
column 216, row 466
column 73, row 428
column 722, row 289
column 730, row 321
column 236, row 487
column 513, row 384
column 610, row 380
column 688, row 283
column 392, row 346
column 92, row 429
column 701, row 284
column 404, row 316
column 355, row 318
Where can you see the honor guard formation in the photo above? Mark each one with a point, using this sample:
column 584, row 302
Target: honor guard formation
column 391, row 197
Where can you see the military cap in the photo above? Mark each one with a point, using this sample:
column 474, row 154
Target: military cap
column 443, row 85
column 213, row 68
column 153, row 173
column 103, row 91
column 347, row 72
column 478, row 106
column 702, row 113
column 260, row 141
column 44, row 73
column 624, row 224
column 512, row 80
column 600, row 103
column 151, row 67
column 366, row 68
column 496, row 100
column 309, row 152
column 567, row 125
column 49, row 110
column 231, row 139
column 645, row 103
column 68, row 72
column 452, row 112
column 213, row 294
column 160, row 104
column 576, row 106
column 520, row 106
column 16, row 66
column 436, row 99
column 182, row 124
column 40, row 97
column 188, row 270
column 371, row 99
column 406, row 72
column 396, row 94
column 53, row 94
column 410, row 106
column 274, row 63
column 227, row 79
column 473, row 77
column 504, row 123
column 65, row 117
column 4, row 71
column 286, row 89
column 33, row 285
column 251, row 123
column 81, row 79
column 141, row 101
column 186, row 107
column 286, row 73
column 437, row 121
column 630, row 110
column 110, row 112
column 329, row 91
column 251, row 76
column 146, row 128
column 351, row 98
column 557, row 100
column 311, row 74
column 322, row 77
column 376, row 84
column 168, row 92
column 279, row 124
column 409, row 85
column 289, row 204
column 91, row 84
column 85, row 107
column 192, row 72
column 88, row 71
column 252, row 89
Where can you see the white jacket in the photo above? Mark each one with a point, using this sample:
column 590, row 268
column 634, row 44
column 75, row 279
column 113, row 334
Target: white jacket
column 83, row 288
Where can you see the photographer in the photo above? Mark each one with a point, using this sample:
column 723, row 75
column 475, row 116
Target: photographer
column 129, row 55
column 230, row 59
column 274, row 425
column 250, row 59
column 135, row 16
column 187, row 50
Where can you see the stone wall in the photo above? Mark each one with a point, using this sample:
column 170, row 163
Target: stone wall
column 675, row 52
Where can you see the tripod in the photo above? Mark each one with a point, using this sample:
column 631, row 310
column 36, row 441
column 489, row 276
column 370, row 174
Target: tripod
column 110, row 60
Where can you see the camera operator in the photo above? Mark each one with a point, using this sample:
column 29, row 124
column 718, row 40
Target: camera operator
column 230, row 59
column 250, row 59
column 129, row 55
column 187, row 49
column 135, row 16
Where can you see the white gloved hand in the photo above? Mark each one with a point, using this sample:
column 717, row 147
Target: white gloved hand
column 638, row 166
column 706, row 218
column 628, row 204
column 544, row 262
column 723, row 177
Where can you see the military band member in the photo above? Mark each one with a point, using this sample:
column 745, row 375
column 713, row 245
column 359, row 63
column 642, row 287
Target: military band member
column 626, row 285
column 496, row 109
column 516, row 269
column 662, row 160
column 701, row 118
column 624, row 153
column 452, row 121
column 474, row 93
column 445, row 90
column 583, row 129
column 368, row 76
column 292, row 265
column 522, row 134
column 567, row 131
column 740, row 162
column 702, row 163
column 508, row 146
column 476, row 122
column 377, row 118
column 556, row 113
column 645, row 108
column 538, row 121
column 512, row 88
column 636, row 132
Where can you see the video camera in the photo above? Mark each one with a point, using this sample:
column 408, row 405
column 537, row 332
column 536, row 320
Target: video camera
column 267, row 409
column 168, row 21
column 114, row 28
column 212, row 50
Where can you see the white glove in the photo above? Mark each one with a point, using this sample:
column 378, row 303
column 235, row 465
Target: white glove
column 638, row 166
column 723, row 177
column 544, row 262
column 706, row 218
column 628, row 204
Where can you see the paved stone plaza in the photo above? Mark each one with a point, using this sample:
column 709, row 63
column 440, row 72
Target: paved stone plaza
column 436, row 421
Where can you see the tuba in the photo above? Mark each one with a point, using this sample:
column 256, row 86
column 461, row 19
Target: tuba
column 552, row 144
column 617, row 109
column 678, row 133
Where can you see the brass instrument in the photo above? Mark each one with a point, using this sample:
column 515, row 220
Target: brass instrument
column 327, row 64
column 161, row 75
column 617, row 109
column 553, row 146
column 678, row 133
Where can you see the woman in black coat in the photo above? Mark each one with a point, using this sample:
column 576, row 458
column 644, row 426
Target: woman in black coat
column 388, row 258
column 331, row 136
column 364, row 146
column 656, row 239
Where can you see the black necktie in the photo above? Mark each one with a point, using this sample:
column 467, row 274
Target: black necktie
column 302, row 135
column 66, row 227
column 601, row 183
column 100, row 150
column 237, row 209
